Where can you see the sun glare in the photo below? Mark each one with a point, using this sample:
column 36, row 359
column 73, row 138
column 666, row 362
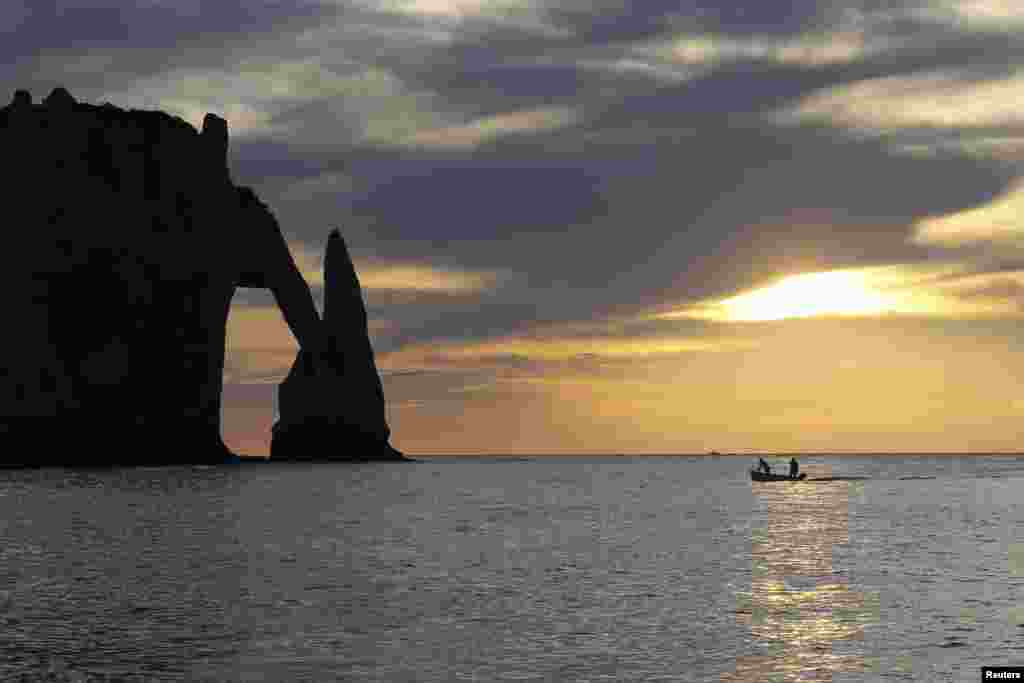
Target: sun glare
column 797, row 296
column 879, row 290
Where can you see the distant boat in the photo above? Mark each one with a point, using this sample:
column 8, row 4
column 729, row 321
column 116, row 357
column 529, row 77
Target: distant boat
column 761, row 476
column 714, row 453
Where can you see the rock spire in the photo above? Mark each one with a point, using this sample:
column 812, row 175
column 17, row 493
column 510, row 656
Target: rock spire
column 339, row 416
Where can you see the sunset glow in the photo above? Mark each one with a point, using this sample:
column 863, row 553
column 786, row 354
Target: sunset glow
column 644, row 228
column 409, row 277
column 798, row 296
column 530, row 340
column 866, row 292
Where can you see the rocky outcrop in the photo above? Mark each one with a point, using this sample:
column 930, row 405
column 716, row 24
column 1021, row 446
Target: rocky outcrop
column 125, row 239
column 337, row 415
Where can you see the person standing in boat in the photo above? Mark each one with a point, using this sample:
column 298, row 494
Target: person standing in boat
column 794, row 467
column 763, row 466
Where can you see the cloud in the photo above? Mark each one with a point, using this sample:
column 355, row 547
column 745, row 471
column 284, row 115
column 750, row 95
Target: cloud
column 273, row 97
column 457, row 9
column 835, row 47
column 257, row 366
column 483, row 130
column 260, row 348
column 996, row 224
column 402, row 277
column 993, row 14
column 607, row 349
column 602, row 218
column 134, row 40
column 934, row 289
column 425, row 279
column 939, row 99
column 615, row 157
column 460, row 15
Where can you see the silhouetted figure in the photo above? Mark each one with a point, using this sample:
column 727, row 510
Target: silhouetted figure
column 763, row 466
column 339, row 416
column 131, row 239
column 794, row 468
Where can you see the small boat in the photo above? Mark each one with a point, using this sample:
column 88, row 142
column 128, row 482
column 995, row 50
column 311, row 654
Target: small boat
column 761, row 476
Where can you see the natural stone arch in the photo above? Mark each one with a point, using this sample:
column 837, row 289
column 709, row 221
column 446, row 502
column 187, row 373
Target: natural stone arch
column 130, row 241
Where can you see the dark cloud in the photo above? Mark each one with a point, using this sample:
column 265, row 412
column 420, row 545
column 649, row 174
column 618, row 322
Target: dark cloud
column 60, row 26
column 608, row 21
column 611, row 24
column 659, row 192
column 491, row 67
column 593, row 226
column 523, row 85
column 260, row 159
column 997, row 288
column 92, row 46
column 481, row 201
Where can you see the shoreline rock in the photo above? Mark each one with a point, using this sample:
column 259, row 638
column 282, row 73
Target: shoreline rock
column 338, row 414
column 131, row 239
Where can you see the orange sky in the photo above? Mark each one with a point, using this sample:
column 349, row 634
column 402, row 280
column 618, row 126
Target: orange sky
column 614, row 226
column 872, row 360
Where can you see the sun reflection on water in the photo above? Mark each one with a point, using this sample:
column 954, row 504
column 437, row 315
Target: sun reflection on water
column 799, row 605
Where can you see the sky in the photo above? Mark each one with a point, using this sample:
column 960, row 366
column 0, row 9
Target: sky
column 611, row 226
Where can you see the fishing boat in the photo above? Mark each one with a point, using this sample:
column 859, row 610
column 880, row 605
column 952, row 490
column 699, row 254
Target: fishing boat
column 761, row 476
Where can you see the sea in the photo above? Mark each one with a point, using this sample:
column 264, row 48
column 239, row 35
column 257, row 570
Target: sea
column 570, row 568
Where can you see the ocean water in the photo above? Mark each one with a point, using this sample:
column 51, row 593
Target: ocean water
column 541, row 569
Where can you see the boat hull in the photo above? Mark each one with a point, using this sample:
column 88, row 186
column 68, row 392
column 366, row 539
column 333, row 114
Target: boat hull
column 761, row 476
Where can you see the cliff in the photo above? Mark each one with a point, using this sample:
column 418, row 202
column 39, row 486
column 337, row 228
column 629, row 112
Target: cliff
column 337, row 415
column 125, row 240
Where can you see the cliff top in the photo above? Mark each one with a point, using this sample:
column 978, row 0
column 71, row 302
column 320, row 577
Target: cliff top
column 60, row 101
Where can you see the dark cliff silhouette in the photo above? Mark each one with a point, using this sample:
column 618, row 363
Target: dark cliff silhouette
column 337, row 415
column 124, row 241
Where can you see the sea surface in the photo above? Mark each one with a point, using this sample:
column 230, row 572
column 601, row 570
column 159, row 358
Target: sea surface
column 501, row 569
